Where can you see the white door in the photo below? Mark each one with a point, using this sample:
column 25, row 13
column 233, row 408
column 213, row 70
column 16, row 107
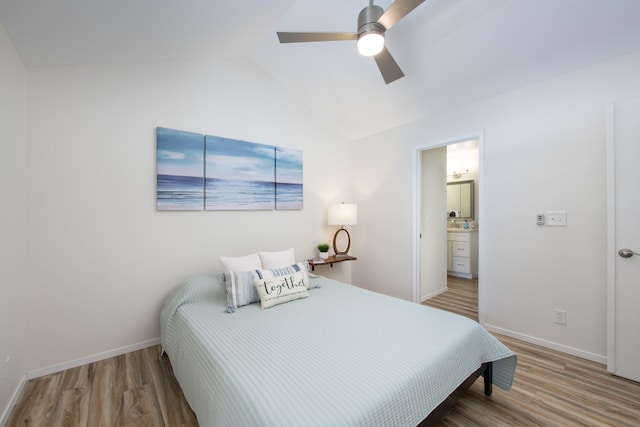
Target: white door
column 624, row 214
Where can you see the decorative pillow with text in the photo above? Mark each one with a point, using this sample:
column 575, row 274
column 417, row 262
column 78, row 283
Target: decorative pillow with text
column 281, row 289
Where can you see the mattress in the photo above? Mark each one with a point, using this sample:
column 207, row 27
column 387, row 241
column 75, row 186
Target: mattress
column 344, row 356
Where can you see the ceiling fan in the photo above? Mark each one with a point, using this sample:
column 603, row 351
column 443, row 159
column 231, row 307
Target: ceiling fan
column 373, row 21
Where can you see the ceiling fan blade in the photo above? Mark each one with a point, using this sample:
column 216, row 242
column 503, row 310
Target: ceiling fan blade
column 388, row 66
column 398, row 10
column 285, row 37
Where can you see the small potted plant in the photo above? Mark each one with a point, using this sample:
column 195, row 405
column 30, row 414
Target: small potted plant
column 323, row 248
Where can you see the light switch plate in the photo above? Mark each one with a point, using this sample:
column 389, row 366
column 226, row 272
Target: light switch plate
column 556, row 218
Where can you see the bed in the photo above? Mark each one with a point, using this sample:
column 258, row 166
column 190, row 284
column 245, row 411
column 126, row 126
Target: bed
column 343, row 356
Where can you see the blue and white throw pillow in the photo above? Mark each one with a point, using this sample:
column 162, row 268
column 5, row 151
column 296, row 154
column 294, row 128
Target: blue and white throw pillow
column 281, row 289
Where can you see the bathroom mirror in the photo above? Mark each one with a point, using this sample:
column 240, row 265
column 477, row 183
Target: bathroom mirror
column 460, row 199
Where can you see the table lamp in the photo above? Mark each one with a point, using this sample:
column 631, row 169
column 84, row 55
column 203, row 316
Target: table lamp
column 342, row 214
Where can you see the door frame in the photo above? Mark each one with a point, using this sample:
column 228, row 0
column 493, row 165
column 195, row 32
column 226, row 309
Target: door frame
column 611, row 237
column 416, row 215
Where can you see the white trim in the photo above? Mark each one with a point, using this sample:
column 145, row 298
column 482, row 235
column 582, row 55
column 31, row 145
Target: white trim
column 611, row 239
column 461, row 275
column 433, row 294
column 549, row 344
column 417, row 188
column 13, row 401
column 480, row 220
column 90, row 359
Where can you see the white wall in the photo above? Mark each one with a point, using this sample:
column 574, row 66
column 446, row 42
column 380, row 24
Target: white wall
column 544, row 149
column 13, row 88
column 100, row 257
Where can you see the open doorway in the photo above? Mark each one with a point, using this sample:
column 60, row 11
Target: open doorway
column 447, row 238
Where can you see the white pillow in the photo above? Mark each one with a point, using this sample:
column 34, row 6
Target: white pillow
column 271, row 260
column 281, row 289
column 241, row 263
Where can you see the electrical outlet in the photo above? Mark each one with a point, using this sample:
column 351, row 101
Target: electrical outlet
column 556, row 218
column 561, row 317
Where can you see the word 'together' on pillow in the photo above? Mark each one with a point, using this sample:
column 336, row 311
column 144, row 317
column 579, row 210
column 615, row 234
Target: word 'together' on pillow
column 281, row 289
column 277, row 259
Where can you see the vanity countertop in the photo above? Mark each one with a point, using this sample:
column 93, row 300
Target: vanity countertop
column 461, row 230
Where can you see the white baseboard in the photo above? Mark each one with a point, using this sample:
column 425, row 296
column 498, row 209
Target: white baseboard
column 462, row 275
column 433, row 294
column 13, row 401
column 549, row 344
column 37, row 373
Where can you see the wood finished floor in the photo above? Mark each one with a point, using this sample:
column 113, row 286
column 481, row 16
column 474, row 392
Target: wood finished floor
column 461, row 298
column 550, row 388
column 134, row 389
column 139, row 389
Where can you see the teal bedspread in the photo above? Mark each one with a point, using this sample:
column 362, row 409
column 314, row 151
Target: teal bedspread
column 344, row 356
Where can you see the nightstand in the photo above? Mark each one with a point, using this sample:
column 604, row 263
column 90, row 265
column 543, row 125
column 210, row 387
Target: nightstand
column 331, row 260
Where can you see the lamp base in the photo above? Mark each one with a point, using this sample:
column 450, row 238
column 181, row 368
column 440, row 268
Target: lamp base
column 343, row 253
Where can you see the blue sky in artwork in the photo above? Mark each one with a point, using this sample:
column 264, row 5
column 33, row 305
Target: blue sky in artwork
column 288, row 165
column 239, row 160
column 179, row 153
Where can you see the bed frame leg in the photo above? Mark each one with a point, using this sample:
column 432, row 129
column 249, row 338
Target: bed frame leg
column 486, row 370
column 488, row 379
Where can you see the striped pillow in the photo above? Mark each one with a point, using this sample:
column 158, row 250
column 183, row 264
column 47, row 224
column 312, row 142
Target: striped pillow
column 240, row 289
column 291, row 269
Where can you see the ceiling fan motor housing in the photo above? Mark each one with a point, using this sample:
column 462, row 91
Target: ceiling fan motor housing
column 368, row 20
column 373, row 22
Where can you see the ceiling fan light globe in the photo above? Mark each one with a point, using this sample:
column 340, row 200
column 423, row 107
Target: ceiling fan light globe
column 370, row 43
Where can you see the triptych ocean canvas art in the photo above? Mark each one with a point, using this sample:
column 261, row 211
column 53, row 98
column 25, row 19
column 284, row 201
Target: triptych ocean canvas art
column 196, row 172
column 180, row 170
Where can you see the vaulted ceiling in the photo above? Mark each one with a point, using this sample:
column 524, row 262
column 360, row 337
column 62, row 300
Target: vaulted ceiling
column 453, row 52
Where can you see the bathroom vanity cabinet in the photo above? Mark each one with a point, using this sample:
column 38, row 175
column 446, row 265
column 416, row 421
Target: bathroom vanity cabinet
column 462, row 253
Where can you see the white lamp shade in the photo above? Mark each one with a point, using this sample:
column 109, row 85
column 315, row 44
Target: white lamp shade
column 343, row 214
column 370, row 43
